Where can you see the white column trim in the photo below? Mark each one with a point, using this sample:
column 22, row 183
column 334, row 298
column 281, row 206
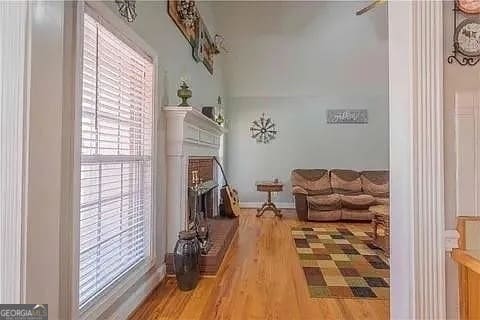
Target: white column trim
column 14, row 54
column 416, row 156
column 428, row 177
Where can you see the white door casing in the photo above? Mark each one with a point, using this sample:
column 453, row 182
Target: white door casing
column 467, row 147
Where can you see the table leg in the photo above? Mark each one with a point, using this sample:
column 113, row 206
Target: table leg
column 262, row 210
column 269, row 205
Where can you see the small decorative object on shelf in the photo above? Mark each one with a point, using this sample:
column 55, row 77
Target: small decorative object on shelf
column 466, row 36
column 220, row 119
column 186, row 261
column 209, row 112
column 184, row 93
column 127, row 9
column 263, row 130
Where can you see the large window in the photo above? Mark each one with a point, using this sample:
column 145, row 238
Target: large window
column 116, row 159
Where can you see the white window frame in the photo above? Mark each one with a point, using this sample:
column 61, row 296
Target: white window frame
column 95, row 308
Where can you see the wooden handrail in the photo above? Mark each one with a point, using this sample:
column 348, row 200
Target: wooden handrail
column 468, row 258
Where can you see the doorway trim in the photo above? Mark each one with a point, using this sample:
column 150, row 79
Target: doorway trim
column 416, row 159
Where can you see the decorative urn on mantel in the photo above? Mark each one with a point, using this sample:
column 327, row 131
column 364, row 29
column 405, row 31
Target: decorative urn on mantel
column 184, row 93
column 186, row 127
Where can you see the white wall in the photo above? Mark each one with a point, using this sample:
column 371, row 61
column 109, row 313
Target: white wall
column 456, row 78
column 295, row 60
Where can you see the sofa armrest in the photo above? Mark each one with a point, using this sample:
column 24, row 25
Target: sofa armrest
column 299, row 190
column 301, row 206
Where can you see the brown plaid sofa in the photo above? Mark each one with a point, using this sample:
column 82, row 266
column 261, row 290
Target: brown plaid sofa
column 323, row 195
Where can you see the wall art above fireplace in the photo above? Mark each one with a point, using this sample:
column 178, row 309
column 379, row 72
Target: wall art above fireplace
column 186, row 16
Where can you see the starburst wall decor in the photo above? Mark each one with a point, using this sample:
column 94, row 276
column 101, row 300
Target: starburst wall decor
column 263, row 130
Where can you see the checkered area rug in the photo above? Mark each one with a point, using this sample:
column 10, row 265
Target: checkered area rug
column 341, row 263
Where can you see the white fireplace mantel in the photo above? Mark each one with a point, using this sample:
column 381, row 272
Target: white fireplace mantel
column 185, row 126
column 194, row 127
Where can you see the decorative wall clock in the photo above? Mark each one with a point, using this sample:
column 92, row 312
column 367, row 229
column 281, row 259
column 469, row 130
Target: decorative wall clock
column 127, row 9
column 469, row 6
column 466, row 36
column 263, row 130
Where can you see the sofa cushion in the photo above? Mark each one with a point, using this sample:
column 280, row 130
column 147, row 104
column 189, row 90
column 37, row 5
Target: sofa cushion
column 358, row 202
column 333, row 215
column 345, row 181
column 358, row 215
column 324, row 202
column 314, row 181
column 376, row 183
column 384, row 201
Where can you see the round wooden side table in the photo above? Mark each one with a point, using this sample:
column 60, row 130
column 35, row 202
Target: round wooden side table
column 269, row 186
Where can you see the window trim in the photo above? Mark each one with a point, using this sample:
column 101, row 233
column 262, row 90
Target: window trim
column 110, row 294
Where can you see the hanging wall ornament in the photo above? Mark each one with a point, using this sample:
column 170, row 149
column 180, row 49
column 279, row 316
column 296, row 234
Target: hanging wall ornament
column 466, row 35
column 127, row 9
column 263, row 130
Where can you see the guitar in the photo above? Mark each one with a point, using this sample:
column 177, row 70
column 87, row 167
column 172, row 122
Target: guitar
column 229, row 196
column 230, row 201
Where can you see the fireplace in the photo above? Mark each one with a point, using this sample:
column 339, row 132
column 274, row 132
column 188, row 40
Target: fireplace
column 191, row 142
column 205, row 170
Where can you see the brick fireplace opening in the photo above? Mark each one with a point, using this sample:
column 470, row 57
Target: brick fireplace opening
column 221, row 229
column 208, row 195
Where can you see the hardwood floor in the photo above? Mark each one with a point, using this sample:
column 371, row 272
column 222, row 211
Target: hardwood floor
column 260, row 278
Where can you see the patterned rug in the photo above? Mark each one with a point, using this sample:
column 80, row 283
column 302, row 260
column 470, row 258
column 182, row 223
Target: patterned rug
column 341, row 263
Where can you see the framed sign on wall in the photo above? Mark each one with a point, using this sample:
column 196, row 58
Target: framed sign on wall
column 347, row 116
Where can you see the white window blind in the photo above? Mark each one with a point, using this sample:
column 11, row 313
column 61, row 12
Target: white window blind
column 116, row 149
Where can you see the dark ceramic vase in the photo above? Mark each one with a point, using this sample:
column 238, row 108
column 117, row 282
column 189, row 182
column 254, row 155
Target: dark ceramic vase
column 186, row 262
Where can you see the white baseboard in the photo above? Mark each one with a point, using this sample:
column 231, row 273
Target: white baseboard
column 281, row 205
column 141, row 293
